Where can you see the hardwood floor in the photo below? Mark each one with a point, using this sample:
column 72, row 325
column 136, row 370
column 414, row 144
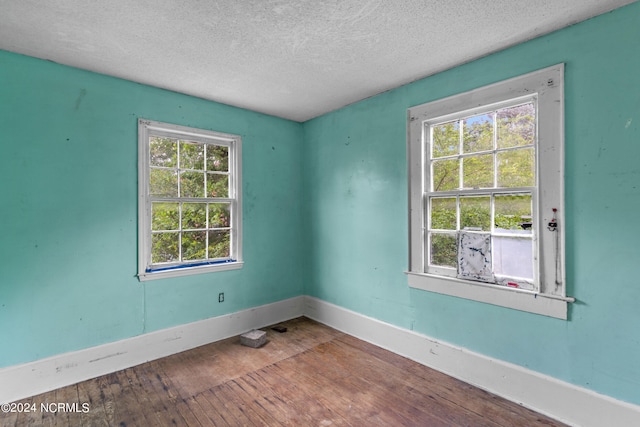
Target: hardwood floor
column 311, row 375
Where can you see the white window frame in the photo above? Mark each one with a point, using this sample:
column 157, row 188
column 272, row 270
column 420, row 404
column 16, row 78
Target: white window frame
column 149, row 128
column 546, row 86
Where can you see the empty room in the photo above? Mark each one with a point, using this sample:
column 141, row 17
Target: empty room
column 316, row 213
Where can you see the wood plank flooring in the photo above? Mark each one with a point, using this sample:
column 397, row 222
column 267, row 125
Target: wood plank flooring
column 311, row 375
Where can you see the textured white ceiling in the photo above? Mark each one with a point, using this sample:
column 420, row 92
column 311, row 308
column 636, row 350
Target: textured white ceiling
column 295, row 59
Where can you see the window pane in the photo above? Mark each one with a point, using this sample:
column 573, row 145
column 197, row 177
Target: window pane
column 478, row 133
column 446, row 139
column 478, row 171
column 516, row 126
column 219, row 244
column 194, row 215
column 192, row 184
column 516, row 168
column 164, row 247
column 443, row 250
column 513, row 257
column 446, row 175
column 164, row 216
column 513, row 214
column 217, row 185
column 219, row 215
column 163, row 151
column 217, row 158
column 191, row 155
column 475, row 213
column 443, row 213
column 193, row 245
column 163, row 183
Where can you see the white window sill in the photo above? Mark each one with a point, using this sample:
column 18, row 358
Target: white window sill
column 188, row 271
column 517, row 299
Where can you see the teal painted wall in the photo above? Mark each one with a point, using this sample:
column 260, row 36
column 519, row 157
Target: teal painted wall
column 356, row 204
column 325, row 211
column 68, row 174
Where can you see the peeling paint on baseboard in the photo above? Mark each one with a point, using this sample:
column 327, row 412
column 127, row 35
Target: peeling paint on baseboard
column 108, row 356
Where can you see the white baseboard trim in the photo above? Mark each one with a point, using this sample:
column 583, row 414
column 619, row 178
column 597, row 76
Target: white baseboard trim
column 21, row 381
column 560, row 400
column 563, row 401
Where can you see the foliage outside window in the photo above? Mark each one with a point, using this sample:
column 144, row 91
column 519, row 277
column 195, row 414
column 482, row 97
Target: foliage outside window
column 486, row 194
column 189, row 185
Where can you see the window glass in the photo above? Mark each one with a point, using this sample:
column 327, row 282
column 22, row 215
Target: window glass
column 477, row 171
column 444, row 213
column 217, row 158
column 513, row 213
column 516, row 126
column 446, row 139
column 446, row 175
column 475, row 213
column 516, row 168
column 443, row 250
column 478, row 133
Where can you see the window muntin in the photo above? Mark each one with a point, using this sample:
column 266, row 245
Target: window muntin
column 190, row 210
column 461, row 153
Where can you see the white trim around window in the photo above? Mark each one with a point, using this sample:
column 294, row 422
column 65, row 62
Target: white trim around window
column 545, row 290
column 189, row 201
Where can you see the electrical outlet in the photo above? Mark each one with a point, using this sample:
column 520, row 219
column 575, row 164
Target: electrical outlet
column 221, row 297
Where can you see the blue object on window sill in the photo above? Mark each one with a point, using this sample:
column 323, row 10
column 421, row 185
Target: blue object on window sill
column 195, row 264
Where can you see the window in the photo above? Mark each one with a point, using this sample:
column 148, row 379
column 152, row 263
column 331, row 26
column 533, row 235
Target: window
column 486, row 194
column 189, row 213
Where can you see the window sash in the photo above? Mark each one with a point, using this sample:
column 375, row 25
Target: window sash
column 147, row 269
column 502, row 279
column 180, row 230
column 461, row 191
